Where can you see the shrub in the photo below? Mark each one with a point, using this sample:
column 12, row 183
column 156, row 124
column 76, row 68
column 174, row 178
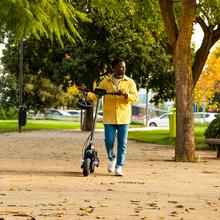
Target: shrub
column 11, row 113
column 213, row 130
column 2, row 113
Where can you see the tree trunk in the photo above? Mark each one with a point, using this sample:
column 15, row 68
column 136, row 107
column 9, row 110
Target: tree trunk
column 179, row 38
column 185, row 146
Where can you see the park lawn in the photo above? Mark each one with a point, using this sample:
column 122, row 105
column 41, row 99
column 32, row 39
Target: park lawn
column 12, row 125
column 153, row 136
column 163, row 136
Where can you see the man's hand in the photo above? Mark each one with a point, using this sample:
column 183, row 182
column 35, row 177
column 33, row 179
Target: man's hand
column 125, row 94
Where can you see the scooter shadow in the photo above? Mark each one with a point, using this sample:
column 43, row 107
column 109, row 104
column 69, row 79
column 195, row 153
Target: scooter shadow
column 49, row 173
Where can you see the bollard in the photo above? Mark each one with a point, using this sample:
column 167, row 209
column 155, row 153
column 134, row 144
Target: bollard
column 172, row 123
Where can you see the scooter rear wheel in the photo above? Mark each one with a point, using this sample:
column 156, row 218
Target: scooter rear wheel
column 86, row 168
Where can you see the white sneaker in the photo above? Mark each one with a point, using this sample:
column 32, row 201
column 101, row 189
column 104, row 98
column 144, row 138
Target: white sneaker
column 111, row 166
column 118, row 171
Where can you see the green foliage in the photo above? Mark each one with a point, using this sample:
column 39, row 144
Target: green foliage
column 48, row 18
column 8, row 88
column 44, row 63
column 209, row 10
column 2, row 113
column 39, row 93
column 10, row 113
column 119, row 30
column 108, row 36
column 213, row 130
column 43, row 94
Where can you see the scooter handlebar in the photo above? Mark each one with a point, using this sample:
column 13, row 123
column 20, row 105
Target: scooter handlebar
column 101, row 92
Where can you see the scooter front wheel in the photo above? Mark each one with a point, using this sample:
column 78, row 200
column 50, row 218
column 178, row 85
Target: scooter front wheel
column 86, row 168
column 92, row 166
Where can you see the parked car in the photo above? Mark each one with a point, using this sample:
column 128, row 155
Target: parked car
column 163, row 120
column 100, row 116
column 204, row 116
column 57, row 112
column 74, row 112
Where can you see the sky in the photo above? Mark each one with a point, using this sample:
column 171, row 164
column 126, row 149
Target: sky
column 197, row 36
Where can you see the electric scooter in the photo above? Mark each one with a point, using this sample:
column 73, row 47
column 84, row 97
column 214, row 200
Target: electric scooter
column 90, row 158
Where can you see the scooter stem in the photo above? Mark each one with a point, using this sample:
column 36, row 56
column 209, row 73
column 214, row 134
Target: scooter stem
column 94, row 120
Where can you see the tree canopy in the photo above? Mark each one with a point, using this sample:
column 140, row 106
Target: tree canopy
column 89, row 60
column 208, row 85
column 49, row 18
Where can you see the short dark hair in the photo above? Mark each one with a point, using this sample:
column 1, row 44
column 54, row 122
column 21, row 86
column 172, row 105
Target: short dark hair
column 116, row 61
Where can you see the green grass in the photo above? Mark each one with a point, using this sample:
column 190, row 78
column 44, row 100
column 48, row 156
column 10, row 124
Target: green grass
column 12, row 125
column 163, row 136
column 154, row 136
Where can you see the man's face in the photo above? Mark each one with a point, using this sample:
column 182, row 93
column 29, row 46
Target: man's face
column 119, row 70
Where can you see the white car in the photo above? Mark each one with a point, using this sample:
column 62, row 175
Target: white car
column 74, row 112
column 204, row 116
column 57, row 112
column 163, row 120
column 99, row 116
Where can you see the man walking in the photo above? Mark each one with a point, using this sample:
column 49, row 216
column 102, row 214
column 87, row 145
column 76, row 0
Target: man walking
column 117, row 113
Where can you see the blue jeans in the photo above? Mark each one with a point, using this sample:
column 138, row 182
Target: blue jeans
column 122, row 135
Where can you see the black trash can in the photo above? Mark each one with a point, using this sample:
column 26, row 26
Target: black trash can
column 22, row 116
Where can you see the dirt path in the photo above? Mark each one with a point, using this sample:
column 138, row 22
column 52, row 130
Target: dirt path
column 40, row 178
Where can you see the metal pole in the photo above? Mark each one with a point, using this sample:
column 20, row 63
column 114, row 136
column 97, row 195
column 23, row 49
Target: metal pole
column 146, row 106
column 21, row 80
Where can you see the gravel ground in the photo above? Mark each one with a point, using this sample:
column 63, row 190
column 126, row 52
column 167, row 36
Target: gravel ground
column 41, row 178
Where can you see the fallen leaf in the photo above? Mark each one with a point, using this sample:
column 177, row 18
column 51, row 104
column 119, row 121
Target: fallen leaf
column 179, row 206
column 12, row 189
column 174, row 213
column 192, row 208
column 145, row 218
column 87, row 209
column 134, row 201
column 173, row 202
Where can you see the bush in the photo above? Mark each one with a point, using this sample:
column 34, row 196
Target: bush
column 11, row 113
column 2, row 113
column 213, row 130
